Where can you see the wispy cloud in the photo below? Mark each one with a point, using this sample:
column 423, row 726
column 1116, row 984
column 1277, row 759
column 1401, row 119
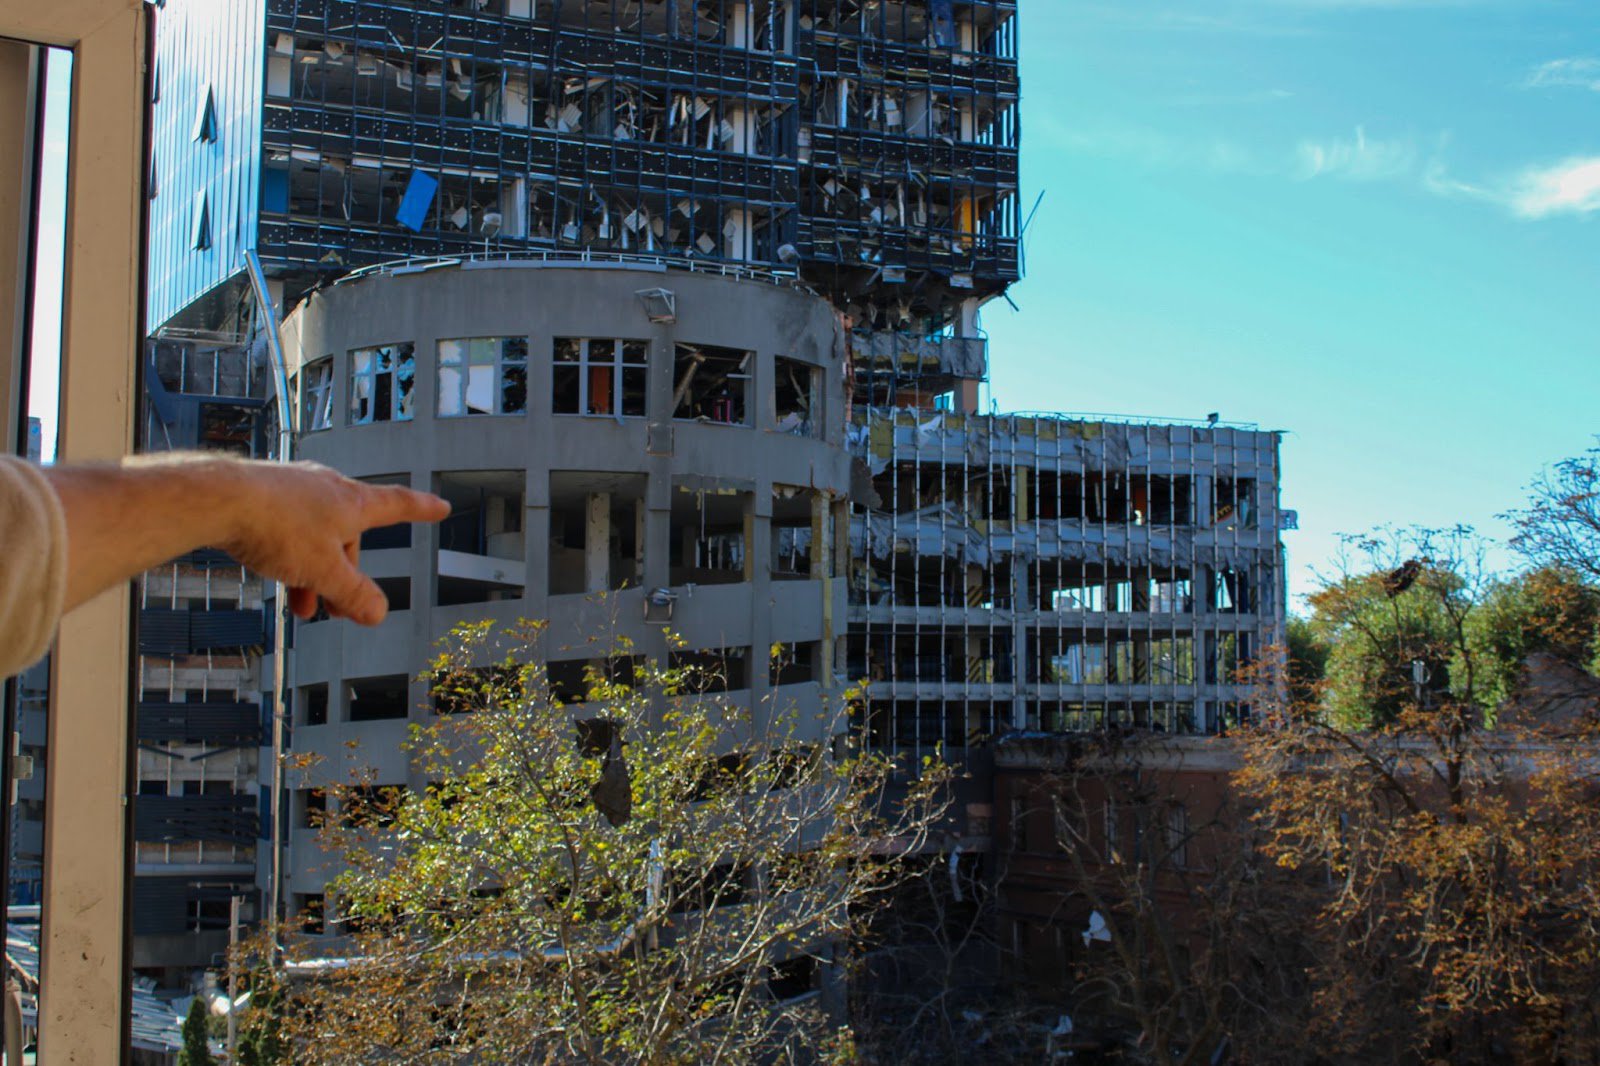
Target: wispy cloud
column 1573, row 72
column 1568, row 187
column 1358, row 158
column 1571, row 187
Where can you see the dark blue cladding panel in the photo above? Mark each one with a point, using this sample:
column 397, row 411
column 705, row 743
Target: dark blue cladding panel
column 206, row 138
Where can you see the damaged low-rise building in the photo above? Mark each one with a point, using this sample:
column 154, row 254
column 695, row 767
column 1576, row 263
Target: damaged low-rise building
column 1044, row 572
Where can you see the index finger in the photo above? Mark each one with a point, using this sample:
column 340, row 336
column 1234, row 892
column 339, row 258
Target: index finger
column 387, row 505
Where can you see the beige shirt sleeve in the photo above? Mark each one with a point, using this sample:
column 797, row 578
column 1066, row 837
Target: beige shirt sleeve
column 33, row 564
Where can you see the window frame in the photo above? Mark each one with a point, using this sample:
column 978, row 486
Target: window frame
column 620, row 366
column 402, row 403
column 316, row 395
column 503, row 360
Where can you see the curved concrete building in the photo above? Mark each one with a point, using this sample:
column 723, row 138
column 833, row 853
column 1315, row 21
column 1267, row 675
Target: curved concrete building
column 683, row 470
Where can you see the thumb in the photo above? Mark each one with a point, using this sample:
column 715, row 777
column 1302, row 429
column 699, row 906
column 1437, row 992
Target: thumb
column 351, row 594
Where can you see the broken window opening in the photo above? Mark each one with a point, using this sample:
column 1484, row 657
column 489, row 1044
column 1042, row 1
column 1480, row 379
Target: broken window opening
column 483, row 376
column 710, row 670
column 313, row 804
column 316, row 381
column 1231, row 592
column 797, row 397
column 711, row 384
column 709, row 527
column 1227, row 656
column 371, row 806
column 382, row 380
column 377, row 699
column 596, row 532
column 592, row 376
column 482, row 544
column 397, row 590
column 791, row 525
column 1235, row 503
column 793, row 664
column 314, row 705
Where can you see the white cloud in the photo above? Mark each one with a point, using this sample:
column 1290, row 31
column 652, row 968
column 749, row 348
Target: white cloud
column 1361, row 158
column 1568, row 187
column 1575, row 72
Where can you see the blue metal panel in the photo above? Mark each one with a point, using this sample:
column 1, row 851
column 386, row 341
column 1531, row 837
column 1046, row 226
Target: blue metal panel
column 206, row 140
column 417, row 201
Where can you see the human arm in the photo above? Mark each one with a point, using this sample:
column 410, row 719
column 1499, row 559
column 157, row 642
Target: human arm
column 299, row 523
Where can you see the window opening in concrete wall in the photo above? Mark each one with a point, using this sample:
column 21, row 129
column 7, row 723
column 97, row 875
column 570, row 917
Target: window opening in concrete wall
column 1231, row 591
column 797, row 399
column 599, row 376
column 1235, row 503
column 792, row 532
column 381, row 538
column 793, row 664
column 376, row 699
column 313, row 803
column 308, row 906
column 596, row 531
column 711, row 384
column 316, row 382
column 314, row 705
column 1171, row 594
column 712, row 669
column 1172, row 660
column 1226, row 655
column 710, row 527
column 483, row 376
column 397, row 590
column 372, row 806
column 382, row 380
column 481, row 545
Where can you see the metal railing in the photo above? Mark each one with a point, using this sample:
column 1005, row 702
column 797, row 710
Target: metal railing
column 576, row 257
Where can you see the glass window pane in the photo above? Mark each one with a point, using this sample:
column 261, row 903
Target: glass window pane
column 514, row 349
column 480, row 390
column 564, row 390
column 514, row 389
column 450, row 392
column 451, row 352
column 566, row 349
column 481, row 351
column 633, row 386
column 600, row 384
column 635, row 351
column 361, row 400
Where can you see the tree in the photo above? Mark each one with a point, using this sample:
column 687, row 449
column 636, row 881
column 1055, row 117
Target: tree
column 650, row 875
column 1547, row 611
column 1397, row 624
column 195, row 1050
column 1404, row 868
column 1452, row 836
column 1561, row 525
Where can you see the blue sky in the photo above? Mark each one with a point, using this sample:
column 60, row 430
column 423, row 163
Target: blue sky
column 1369, row 223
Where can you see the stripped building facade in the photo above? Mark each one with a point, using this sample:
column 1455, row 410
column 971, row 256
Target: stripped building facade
column 1048, row 573
column 519, row 245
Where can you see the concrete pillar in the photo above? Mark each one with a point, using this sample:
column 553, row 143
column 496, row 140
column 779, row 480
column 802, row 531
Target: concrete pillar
column 597, row 543
column 741, row 30
column 736, row 235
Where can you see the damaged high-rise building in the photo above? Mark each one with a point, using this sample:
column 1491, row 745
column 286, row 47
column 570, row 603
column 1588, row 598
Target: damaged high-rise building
column 678, row 300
